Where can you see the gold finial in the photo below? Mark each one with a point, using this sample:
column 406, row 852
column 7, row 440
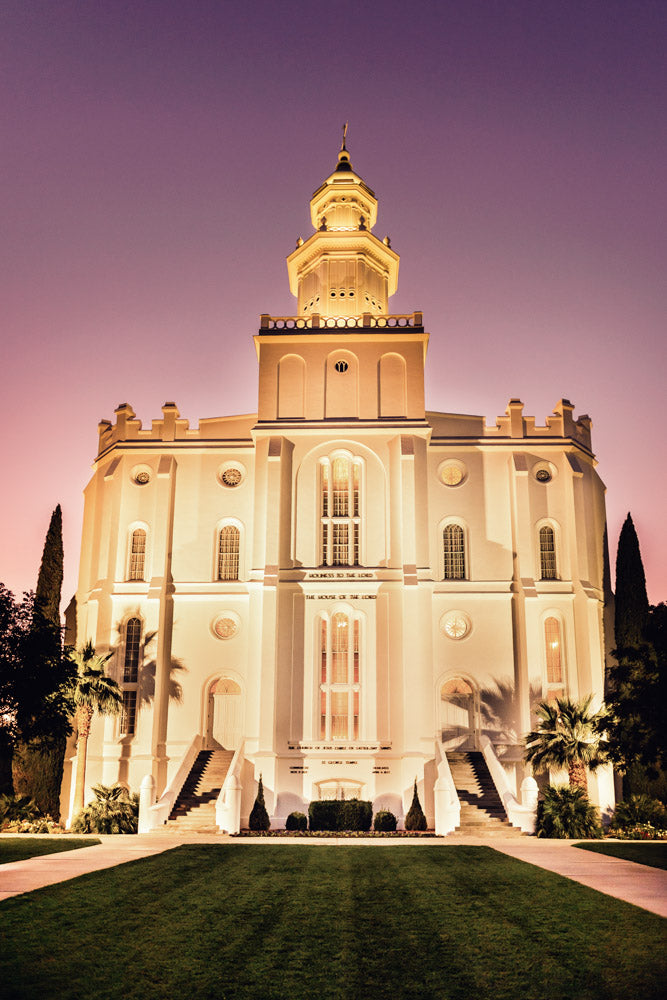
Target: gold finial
column 342, row 145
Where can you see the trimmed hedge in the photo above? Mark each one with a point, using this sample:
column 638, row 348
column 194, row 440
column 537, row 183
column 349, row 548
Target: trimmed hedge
column 296, row 821
column 331, row 814
column 384, row 821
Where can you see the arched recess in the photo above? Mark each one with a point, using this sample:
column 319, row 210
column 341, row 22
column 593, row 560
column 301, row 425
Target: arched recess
column 223, row 715
column 458, row 712
column 136, row 567
column 291, row 386
column 554, row 674
column 393, row 386
column 341, row 385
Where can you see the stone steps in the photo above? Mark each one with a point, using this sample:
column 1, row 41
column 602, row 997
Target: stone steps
column 194, row 809
column 482, row 812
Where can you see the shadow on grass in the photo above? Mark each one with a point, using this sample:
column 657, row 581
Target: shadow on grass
column 235, row 922
column 653, row 855
column 24, row 846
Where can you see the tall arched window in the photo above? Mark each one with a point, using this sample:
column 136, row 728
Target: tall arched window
column 554, row 658
column 228, row 552
column 128, row 716
column 453, row 539
column 339, row 677
column 547, row 553
column 137, row 554
column 340, row 511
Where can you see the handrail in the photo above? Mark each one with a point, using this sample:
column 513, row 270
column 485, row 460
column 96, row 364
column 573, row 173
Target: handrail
column 228, row 803
column 447, row 804
column 152, row 816
column 318, row 322
column 522, row 814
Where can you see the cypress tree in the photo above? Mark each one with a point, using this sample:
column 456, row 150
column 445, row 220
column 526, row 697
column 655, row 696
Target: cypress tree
column 631, row 616
column 38, row 764
column 259, row 818
column 415, row 818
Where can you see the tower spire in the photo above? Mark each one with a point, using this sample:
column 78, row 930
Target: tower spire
column 343, row 147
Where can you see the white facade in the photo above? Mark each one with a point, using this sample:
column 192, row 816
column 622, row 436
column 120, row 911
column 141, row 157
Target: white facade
column 342, row 584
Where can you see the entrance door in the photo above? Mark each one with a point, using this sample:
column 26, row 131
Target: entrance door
column 223, row 722
column 459, row 715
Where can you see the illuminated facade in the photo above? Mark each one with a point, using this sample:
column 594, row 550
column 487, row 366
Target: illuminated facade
column 343, row 586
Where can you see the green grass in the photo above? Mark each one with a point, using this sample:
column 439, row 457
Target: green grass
column 272, row 922
column 653, row 855
column 25, row 846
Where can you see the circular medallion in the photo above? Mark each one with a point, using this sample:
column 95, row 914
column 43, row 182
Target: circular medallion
column 455, row 624
column 225, row 627
column 452, row 472
column 231, row 475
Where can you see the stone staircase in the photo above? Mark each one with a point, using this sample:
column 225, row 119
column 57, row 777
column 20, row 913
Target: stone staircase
column 194, row 809
column 482, row 811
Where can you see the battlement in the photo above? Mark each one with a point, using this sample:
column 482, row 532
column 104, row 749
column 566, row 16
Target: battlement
column 513, row 424
column 172, row 427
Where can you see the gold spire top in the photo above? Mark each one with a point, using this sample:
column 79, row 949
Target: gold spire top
column 342, row 145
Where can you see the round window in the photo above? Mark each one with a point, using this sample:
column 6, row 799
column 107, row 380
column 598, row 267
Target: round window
column 455, row 624
column 232, row 476
column 225, row 628
column 141, row 474
column 341, row 366
column 452, row 473
column 543, row 476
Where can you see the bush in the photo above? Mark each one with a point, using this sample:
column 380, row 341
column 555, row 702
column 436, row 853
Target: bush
column 415, row 818
column 566, row 813
column 384, row 821
column 638, row 810
column 17, row 809
column 114, row 810
column 296, row 821
column 259, row 818
column 640, row 831
column 331, row 814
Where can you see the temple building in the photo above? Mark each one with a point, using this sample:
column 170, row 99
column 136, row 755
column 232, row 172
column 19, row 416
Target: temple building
column 344, row 591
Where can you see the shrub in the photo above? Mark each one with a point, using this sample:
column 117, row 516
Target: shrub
column 384, row 821
column 17, row 809
column 114, row 810
column 331, row 814
column 638, row 810
column 415, row 818
column 296, row 821
column 259, row 818
column 566, row 813
column 640, row 831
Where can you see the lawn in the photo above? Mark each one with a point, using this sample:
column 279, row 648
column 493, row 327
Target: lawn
column 653, row 855
column 24, row 846
column 271, row 922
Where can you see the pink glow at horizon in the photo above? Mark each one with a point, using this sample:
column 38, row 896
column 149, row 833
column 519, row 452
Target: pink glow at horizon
column 158, row 162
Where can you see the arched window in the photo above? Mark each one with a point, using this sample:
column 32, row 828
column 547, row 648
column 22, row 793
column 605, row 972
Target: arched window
column 547, row 553
column 340, row 510
column 228, row 552
column 339, row 677
column 137, row 554
column 128, row 716
column 453, row 539
column 554, row 658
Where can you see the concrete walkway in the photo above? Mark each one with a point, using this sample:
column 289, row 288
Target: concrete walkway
column 637, row 884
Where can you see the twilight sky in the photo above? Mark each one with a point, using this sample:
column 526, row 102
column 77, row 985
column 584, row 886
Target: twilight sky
column 157, row 162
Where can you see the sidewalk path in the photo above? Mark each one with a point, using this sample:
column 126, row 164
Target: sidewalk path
column 637, row 884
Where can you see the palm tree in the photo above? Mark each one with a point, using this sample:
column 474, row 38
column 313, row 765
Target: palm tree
column 568, row 736
column 93, row 691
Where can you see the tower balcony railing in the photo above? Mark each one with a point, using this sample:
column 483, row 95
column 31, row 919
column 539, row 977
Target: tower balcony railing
column 367, row 321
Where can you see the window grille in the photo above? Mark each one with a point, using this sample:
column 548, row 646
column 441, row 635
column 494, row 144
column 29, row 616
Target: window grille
column 138, row 554
column 339, row 678
column 132, row 648
column 340, row 511
column 454, row 551
column 128, row 715
column 547, row 553
column 228, row 553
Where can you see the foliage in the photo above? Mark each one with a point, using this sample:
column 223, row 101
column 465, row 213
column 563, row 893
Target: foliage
column 631, row 602
column 415, row 818
column 259, row 817
column 568, row 735
column 386, row 915
column 296, row 821
column 17, row 808
column 641, row 831
column 335, row 815
column 114, row 810
column 639, row 809
column 565, row 813
column 384, row 821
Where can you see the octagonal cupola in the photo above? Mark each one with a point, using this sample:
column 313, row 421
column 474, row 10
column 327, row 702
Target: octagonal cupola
column 343, row 269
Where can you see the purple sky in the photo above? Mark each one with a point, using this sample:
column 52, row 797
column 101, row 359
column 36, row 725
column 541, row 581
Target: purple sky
column 157, row 162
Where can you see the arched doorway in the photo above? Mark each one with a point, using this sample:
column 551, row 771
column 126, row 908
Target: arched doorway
column 459, row 714
column 223, row 715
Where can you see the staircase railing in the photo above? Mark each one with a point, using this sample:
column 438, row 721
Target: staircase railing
column 524, row 813
column 447, row 805
column 152, row 814
column 228, row 803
